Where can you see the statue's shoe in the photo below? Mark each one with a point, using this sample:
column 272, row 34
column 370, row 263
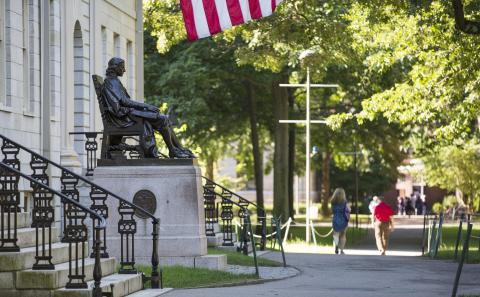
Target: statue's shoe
column 178, row 154
column 188, row 152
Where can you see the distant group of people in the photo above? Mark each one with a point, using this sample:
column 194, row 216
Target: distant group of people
column 413, row 205
column 381, row 218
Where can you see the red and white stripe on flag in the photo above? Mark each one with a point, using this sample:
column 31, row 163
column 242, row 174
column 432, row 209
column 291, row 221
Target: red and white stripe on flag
column 204, row 18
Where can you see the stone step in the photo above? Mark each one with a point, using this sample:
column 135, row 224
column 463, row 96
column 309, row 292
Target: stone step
column 23, row 220
column 123, row 285
column 25, row 258
column 54, row 279
column 213, row 241
column 235, row 247
column 216, row 228
column 26, row 236
column 217, row 240
column 150, row 292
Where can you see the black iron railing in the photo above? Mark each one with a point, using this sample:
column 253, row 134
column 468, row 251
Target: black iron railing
column 245, row 221
column 469, row 220
column 43, row 219
column 215, row 197
column 69, row 188
column 432, row 233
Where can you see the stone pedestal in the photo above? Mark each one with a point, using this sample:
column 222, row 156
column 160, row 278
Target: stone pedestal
column 177, row 187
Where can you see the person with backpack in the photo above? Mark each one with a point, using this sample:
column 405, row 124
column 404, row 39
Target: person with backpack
column 341, row 216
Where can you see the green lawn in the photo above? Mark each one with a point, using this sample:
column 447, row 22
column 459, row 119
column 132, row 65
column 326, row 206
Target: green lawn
column 447, row 248
column 186, row 277
column 236, row 258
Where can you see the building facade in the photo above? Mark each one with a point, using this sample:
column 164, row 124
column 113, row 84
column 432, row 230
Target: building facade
column 48, row 51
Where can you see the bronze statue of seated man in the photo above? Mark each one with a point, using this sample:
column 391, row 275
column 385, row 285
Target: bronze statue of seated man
column 123, row 112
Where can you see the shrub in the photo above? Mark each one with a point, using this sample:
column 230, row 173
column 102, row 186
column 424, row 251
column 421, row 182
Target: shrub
column 437, row 207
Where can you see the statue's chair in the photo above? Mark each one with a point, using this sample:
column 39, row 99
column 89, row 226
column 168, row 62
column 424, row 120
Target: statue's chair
column 113, row 142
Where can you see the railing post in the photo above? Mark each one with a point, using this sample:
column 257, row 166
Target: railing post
column 210, row 208
column 227, row 217
column 98, row 199
column 97, row 268
column 462, row 259
column 278, row 229
column 9, row 199
column 439, row 234
column 43, row 213
column 155, row 278
column 424, row 232
column 262, row 226
column 248, row 226
column 91, row 147
column 459, row 236
column 432, row 237
column 127, row 227
column 245, row 238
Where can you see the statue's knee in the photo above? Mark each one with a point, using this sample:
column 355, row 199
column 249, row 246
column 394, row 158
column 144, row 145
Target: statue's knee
column 163, row 120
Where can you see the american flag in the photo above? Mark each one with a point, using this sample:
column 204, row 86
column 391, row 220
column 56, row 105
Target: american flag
column 204, row 18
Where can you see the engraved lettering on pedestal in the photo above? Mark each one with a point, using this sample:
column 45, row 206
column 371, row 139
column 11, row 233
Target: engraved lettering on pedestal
column 146, row 200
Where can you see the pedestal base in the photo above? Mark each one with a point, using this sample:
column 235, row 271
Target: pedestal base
column 179, row 205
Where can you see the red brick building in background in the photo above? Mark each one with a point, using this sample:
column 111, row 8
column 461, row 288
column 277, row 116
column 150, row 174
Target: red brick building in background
column 411, row 181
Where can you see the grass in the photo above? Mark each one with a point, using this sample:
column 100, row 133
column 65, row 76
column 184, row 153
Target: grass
column 187, row 277
column 447, row 248
column 236, row 258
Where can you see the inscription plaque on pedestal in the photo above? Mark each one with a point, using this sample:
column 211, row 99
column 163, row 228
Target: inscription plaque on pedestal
column 146, row 200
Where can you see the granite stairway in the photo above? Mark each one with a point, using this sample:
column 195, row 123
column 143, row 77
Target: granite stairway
column 18, row 279
column 38, row 258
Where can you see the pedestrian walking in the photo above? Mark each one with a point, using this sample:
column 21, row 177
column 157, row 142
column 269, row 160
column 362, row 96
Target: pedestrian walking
column 419, row 206
column 409, row 209
column 341, row 216
column 383, row 225
column 400, row 206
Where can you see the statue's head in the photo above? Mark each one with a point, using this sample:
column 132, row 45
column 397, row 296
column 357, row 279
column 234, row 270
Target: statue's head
column 116, row 67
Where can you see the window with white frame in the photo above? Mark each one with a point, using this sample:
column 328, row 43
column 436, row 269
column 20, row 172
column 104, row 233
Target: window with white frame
column 116, row 45
column 104, row 47
column 130, row 70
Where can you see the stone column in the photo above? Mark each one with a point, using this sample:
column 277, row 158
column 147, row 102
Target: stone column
column 68, row 158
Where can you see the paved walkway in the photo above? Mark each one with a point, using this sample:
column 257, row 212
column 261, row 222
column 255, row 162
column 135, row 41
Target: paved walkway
column 360, row 273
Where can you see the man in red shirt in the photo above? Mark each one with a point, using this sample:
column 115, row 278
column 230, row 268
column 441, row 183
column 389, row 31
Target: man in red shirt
column 383, row 225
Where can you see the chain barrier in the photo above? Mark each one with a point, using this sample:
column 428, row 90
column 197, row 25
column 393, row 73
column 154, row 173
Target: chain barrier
column 287, row 224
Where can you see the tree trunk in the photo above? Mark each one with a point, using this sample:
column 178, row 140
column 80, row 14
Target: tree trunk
column 280, row 158
column 257, row 153
column 462, row 24
column 327, row 157
column 291, row 158
column 478, row 122
column 210, row 167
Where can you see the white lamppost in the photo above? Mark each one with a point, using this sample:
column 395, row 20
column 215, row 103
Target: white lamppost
column 307, row 122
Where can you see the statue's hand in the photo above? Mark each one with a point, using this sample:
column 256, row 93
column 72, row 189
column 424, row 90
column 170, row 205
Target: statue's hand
column 153, row 108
